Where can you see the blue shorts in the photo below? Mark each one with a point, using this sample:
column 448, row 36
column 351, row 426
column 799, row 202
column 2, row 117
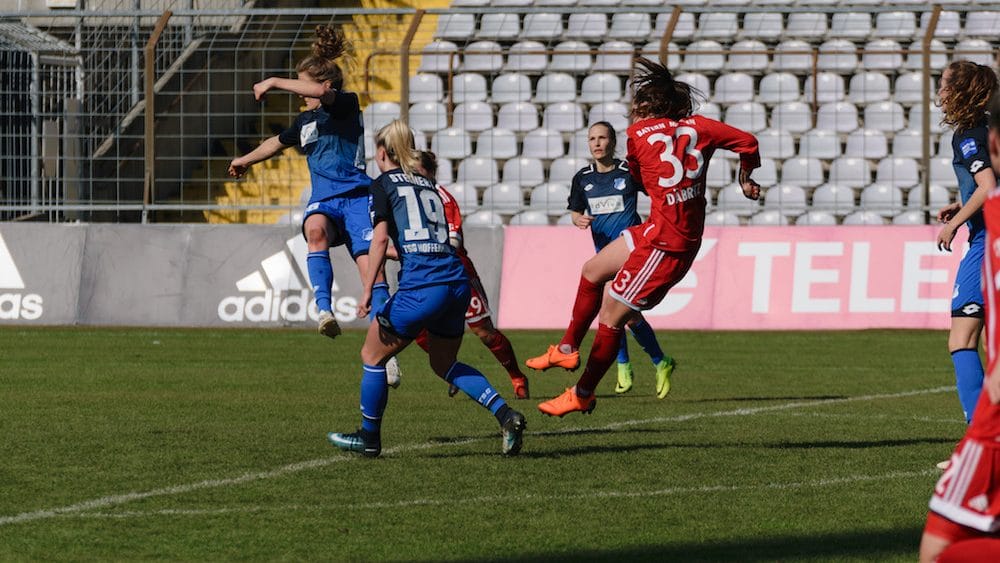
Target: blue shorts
column 438, row 308
column 351, row 218
column 967, row 299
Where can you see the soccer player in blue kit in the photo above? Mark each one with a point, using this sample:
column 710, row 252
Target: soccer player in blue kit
column 965, row 92
column 433, row 294
column 603, row 198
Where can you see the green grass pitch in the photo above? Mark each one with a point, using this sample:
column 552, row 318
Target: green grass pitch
column 130, row 444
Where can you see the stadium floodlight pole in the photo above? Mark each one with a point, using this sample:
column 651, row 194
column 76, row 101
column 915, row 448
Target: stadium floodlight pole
column 404, row 67
column 149, row 144
column 925, row 102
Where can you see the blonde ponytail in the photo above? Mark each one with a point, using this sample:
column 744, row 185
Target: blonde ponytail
column 397, row 140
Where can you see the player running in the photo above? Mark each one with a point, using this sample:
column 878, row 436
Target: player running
column 602, row 198
column 433, row 294
column 668, row 153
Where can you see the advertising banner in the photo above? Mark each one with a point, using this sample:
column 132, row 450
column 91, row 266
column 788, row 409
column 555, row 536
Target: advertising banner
column 745, row 278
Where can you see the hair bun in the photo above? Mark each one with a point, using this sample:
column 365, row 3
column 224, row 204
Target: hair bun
column 330, row 42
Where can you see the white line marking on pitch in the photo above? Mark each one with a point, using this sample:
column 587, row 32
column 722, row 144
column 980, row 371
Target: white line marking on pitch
column 515, row 498
column 114, row 500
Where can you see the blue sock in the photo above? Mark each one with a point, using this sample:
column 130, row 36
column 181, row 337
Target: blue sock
column 968, row 378
column 374, row 395
column 623, row 351
column 380, row 294
column 644, row 335
column 475, row 385
column 321, row 277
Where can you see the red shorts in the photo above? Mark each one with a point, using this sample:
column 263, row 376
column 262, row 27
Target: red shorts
column 966, row 500
column 649, row 272
column 479, row 307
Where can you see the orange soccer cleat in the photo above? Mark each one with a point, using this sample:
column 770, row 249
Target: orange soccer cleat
column 568, row 402
column 520, row 387
column 554, row 358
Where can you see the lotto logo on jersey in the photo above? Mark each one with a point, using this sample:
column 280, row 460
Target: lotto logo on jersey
column 277, row 291
column 15, row 304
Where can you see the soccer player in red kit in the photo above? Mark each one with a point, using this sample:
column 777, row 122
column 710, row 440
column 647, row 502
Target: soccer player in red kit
column 478, row 316
column 964, row 519
column 668, row 154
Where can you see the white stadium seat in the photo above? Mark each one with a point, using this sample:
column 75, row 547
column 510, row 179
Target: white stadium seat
column 555, row 87
column 710, row 110
column 908, row 143
column 805, row 172
column 483, row 218
column 719, row 173
column 748, row 54
column 542, row 26
column 795, row 117
column 882, row 54
column 833, row 198
column 570, row 56
column 895, row 25
column 379, row 114
column 884, row 199
column 866, row 143
column 565, row 220
column 948, row 25
column 765, row 26
column 511, row 87
column 864, row 218
column 468, row 87
column 530, row 217
column 814, row 218
column 615, row 113
column 792, row 55
column 651, row 51
column 869, row 87
column 722, row 218
column 477, row 172
column 499, row 27
column 787, row 199
column 629, row 26
column 778, row 87
column 885, row 116
column 837, row 55
column 850, row 25
column 455, row 26
column 600, row 87
column 820, row 143
column 850, row 172
column 841, row 117
column 451, row 143
column 565, row 116
column 916, row 118
column 774, row 143
column 473, row 116
column 766, row 174
column 517, row 116
column 909, row 218
column 908, row 88
column 940, row 197
column 978, row 51
column 426, row 88
column 445, row 174
column 614, row 56
column 527, row 56
column 482, row 56
column 586, row 26
column 734, row 88
column 543, row 143
column 717, row 25
column 550, row 198
column 563, row 169
column 497, row 143
column 697, row 80
column 768, row 218
column 684, row 29
column 981, row 25
column 831, row 88
column 704, row 56
column 466, row 196
column 731, row 199
column 806, row 25
column 505, row 199
column 523, row 171
column 915, row 57
column 749, row 116
column 439, row 56
column 942, row 172
column 944, row 144
column 578, row 144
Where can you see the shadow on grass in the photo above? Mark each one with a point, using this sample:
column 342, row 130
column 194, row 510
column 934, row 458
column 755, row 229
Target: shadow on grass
column 875, row 545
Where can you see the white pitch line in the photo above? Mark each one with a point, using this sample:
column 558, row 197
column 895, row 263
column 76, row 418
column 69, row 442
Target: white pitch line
column 896, row 475
column 114, row 500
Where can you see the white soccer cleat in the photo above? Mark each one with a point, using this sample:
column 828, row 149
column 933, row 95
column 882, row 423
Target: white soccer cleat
column 392, row 372
column 328, row 324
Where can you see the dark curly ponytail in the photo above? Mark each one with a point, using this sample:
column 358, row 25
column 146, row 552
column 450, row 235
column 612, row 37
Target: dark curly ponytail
column 657, row 94
column 321, row 64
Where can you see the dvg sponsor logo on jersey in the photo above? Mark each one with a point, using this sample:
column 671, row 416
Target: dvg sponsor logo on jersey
column 15, row 304
column 278, row 291
column 605, row 205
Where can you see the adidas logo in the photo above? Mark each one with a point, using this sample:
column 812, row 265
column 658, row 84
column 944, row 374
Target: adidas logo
column 278, row 291
column 15, row 305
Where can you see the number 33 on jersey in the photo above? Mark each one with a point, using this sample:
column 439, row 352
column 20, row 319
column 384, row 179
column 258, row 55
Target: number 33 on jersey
column 669, row 158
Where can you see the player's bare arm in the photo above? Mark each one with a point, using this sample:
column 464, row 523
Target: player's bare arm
column 264, row 151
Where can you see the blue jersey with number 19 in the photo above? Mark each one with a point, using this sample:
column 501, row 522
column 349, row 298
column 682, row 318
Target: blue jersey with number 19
column 413, row 209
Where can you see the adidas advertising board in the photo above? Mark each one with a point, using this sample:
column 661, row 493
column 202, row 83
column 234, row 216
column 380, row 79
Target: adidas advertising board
column 39, row 273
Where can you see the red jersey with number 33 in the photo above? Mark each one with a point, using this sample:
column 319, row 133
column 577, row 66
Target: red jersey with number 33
column 985, row 423
column 669, row 158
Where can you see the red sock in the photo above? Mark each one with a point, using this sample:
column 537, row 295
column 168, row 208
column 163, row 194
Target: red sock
column 971, row 551
column 423, row 342
column 500, row 346
column 585, row 308
column 602, row 355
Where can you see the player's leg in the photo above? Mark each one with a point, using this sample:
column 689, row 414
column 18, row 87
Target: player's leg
column 979, row 550
column 931, row 546
column 380, row 344
column 598, row 270
column 624, row 384
column 445, row 339
column 966, row 326
column 320, row 233
column 664, row 364
column 380, row 294
column 501, row 348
